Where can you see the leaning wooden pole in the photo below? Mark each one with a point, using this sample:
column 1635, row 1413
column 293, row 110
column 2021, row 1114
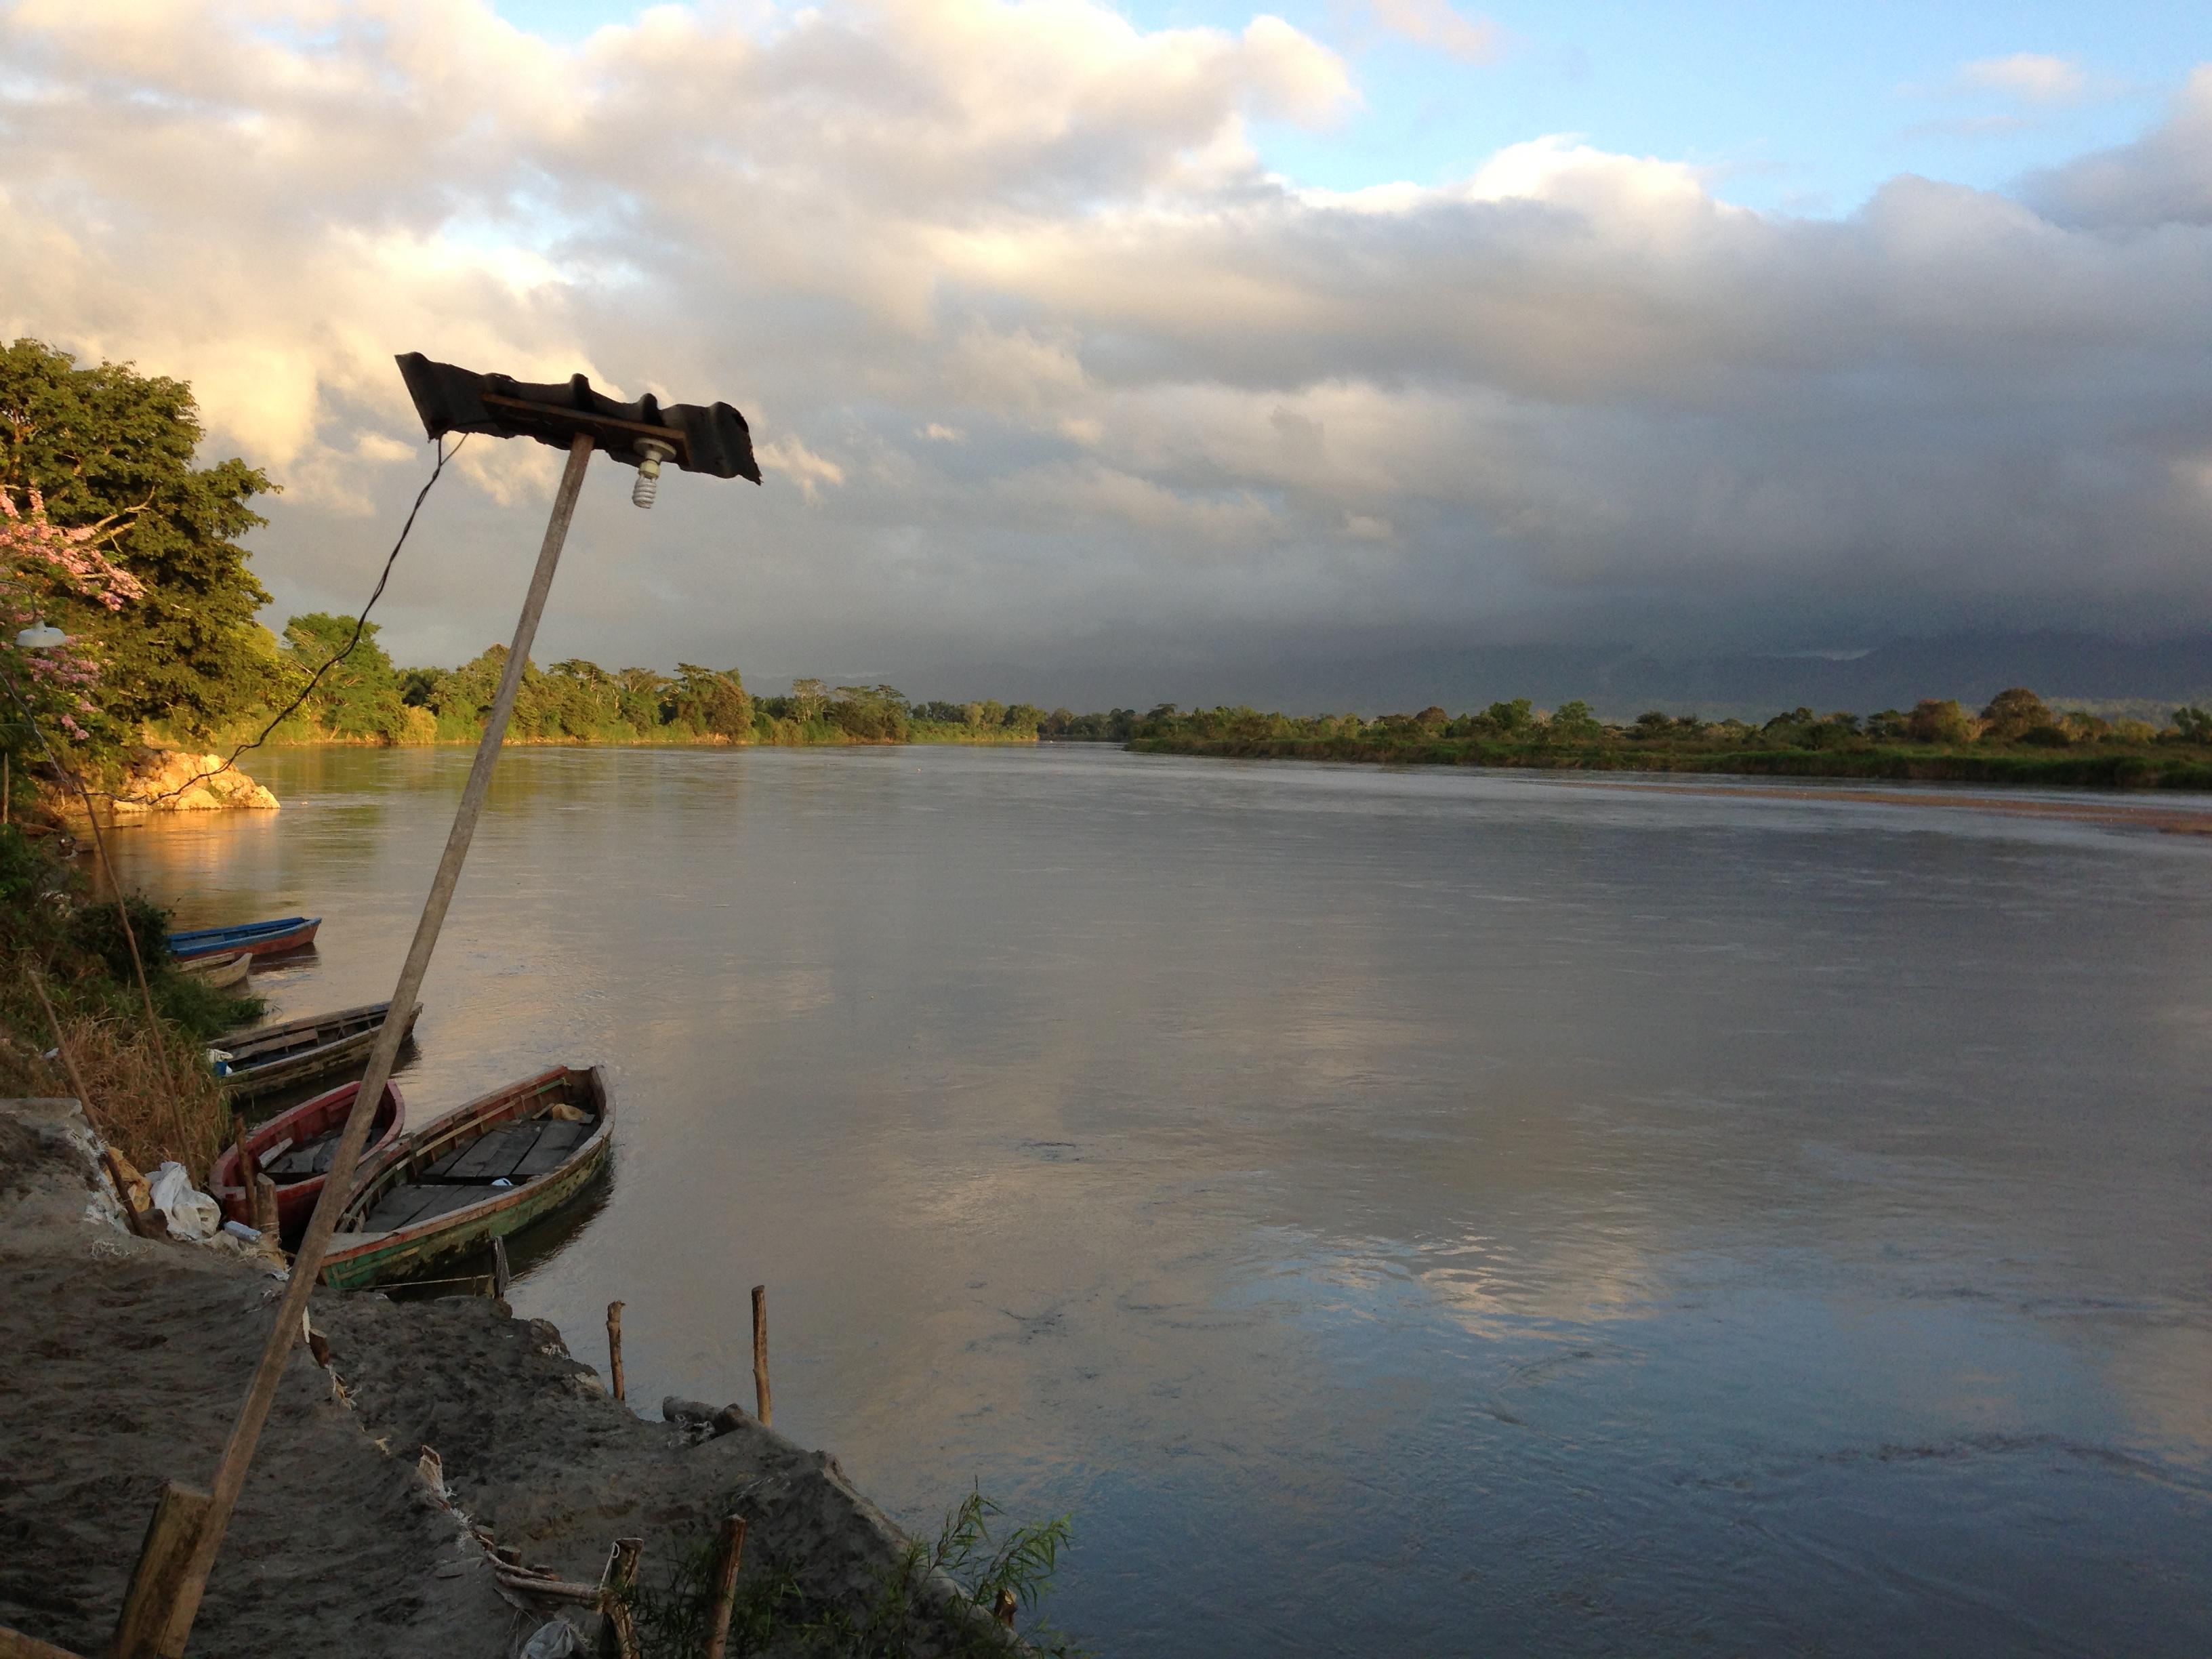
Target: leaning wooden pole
column 306, row 1266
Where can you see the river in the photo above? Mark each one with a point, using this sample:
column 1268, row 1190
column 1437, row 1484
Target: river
column 1394, row 1213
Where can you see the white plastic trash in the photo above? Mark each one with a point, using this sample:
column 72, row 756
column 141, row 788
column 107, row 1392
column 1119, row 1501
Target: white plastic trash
column 193, row 1214
column 555, row 1641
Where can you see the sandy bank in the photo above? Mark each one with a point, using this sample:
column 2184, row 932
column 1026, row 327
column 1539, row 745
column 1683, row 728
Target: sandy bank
column 125, row 1359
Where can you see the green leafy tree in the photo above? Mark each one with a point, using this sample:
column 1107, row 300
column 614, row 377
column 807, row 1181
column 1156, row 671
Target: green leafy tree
column 112, row 448
column 2012, row 713
column 1573, row 722
column 1939, row 720
column 2193, row 724
column 359, row 698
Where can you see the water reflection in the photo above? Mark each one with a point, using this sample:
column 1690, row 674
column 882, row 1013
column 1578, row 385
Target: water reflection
column 1395, row 1212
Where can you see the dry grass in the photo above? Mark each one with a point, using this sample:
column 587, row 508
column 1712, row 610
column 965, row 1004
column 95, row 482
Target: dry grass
column 143, row 1114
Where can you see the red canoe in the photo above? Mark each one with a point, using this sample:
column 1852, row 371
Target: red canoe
column 294, row 1149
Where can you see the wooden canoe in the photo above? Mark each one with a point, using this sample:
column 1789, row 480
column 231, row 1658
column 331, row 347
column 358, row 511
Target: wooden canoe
column 293, row 1149
column 259, row 938
column 219, row 971
column 436, row 1192
column 277, row 1056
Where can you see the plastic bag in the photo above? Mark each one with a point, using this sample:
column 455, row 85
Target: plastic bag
column 555, row 1641
column 193, row 1214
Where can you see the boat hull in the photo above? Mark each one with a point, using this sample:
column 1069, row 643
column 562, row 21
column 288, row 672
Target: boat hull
column 357, row 1261
column 220, row 971
column 352, row 1034
column 259, row 938
column 324, row 1114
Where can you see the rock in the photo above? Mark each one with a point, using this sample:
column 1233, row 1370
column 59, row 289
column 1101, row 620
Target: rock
column 171, row 781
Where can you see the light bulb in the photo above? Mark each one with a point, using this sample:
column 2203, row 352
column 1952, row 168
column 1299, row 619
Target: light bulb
column 649, row 471
column 41, row 636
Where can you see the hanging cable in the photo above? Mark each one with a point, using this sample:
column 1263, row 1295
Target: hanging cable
column 360, row 626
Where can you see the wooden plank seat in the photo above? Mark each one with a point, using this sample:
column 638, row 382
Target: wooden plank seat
column 514, row 1151
column 309, row 1158
column 402, row 1207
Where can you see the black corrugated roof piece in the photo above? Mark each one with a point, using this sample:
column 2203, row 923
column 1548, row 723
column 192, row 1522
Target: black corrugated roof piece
column 711, row 438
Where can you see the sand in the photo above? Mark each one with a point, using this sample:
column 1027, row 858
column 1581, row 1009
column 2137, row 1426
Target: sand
column 123, row 1360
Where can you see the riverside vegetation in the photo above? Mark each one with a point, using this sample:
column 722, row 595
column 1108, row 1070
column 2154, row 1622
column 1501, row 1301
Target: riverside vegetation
column 2016, row 738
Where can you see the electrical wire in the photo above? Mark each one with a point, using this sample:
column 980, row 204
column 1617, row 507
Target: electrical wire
column 360, row 626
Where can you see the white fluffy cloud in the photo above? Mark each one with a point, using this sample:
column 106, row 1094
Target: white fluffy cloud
column 1046, row 368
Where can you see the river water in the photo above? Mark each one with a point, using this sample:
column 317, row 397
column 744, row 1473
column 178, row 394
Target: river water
column 1394, row 1213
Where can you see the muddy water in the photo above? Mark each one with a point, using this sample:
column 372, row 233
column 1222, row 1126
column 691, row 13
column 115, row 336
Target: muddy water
column 1394, row 1213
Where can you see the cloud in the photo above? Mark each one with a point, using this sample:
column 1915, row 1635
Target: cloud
column 1174, row 408
column 2039, row 77
column 1435, row 23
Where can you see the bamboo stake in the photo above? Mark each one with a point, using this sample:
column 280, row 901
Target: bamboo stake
column 306, row 1266
column 760, row 1353
column 266, row 1217
column 730, row 1546
column 614, row 1346
column 500, row 1277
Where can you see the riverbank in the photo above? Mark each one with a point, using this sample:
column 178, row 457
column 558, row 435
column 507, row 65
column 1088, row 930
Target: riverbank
column 128, row 1357
column 2132, row 768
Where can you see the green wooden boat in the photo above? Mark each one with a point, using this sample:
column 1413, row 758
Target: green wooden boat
column 492, row 1168
column 261, row 1061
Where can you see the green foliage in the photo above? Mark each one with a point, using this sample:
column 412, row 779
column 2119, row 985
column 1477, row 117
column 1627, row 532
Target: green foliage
column 772, row 1612
column 1937, row 740
column 359, row 698
column 113, row 448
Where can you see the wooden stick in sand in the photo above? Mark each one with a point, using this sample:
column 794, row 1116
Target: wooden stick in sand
column 618, row 1626
column 728, row 1548
column 760, row 1352
column 337, row 1185
column 500, row 1277
column 163, row 1559
column 614, row 1346
column 14, row 1644
column 265, row 1219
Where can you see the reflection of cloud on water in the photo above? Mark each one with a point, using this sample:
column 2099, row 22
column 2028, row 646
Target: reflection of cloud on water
column 2162, row 1375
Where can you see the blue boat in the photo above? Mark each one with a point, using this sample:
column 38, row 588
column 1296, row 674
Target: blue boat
column 256, row 938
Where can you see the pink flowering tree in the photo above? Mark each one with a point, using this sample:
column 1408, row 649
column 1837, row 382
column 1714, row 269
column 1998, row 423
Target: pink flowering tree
column 48, row 571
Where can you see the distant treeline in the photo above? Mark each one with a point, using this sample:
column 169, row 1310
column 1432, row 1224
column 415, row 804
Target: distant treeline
column 2017, row 738
column 366, row 698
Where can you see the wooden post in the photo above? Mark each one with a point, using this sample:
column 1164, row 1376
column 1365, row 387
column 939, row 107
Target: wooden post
column 729, row 1547
column 265, row 1218
column 619, row 1625
column 247, row 1169
column 14, row 1644
column 163, row 1560
column 500, row 1277
column 760, row 1352
column 337, row 1186
column 614, row 1347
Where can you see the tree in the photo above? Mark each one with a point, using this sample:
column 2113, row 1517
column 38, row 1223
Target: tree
column 711, row 703
column 1573, row 722
column 1510, row 719
column 2193, row 723
column 2012, row 713
column 45, row 570
column 1939, row 720
column 807, row 699
column 359, row 698
column 112, row 450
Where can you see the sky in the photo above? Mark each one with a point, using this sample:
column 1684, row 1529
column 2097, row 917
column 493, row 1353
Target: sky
column 1343, row 356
